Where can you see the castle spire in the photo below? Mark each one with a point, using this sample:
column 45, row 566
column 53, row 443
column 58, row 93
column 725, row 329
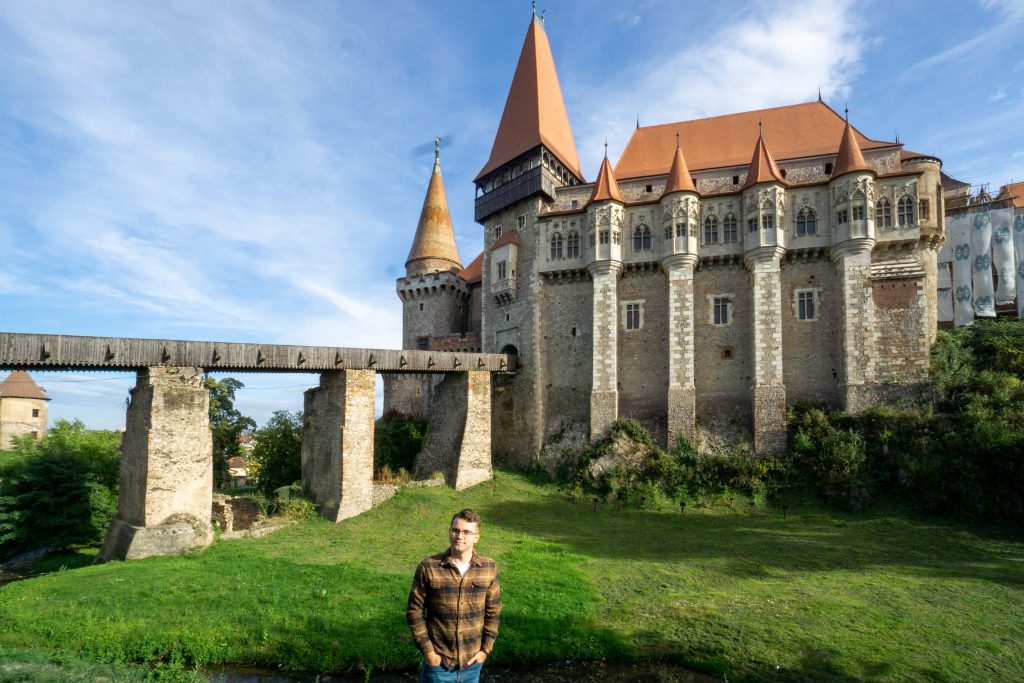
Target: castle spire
column 606, row 187
column 850, row 157
column 433, row 247
column 763, row 168
column 679, row 179
column 534, row 111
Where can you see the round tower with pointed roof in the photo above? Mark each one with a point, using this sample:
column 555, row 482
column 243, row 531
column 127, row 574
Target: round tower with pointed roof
column 23, row 408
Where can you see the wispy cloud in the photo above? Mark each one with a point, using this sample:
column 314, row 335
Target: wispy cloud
column 779, row 54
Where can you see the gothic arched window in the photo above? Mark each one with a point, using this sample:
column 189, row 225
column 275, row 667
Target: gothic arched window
column 905, row 211
column 729, row 228
column 641, row 238
column 806, row 222
column 710, row 230
column 556, row 246
column 572, row 244
column 883, row 213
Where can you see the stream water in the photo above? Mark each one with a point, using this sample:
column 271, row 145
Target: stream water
column 555, row 672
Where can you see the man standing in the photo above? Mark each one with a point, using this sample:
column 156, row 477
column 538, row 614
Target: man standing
column 454, row 605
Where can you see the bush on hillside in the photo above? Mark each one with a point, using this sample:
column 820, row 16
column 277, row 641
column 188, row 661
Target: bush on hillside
column 60, row 490
column 276, row 457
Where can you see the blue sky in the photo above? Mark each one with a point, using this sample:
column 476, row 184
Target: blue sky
column 254, row 171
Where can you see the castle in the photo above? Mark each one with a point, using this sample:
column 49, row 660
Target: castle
column 723, row 268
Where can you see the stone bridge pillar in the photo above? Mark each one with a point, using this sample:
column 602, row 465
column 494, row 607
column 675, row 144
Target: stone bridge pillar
column 166, row 492
column 459, row 444
column 337, row 442
column 857, row 318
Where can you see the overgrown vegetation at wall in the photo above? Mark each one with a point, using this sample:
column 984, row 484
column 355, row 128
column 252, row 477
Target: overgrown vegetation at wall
column 276, row 457
column 58, row 491
column 397, row 440
column 963, row 455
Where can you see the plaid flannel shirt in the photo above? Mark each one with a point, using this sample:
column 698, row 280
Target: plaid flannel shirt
column 461, row 611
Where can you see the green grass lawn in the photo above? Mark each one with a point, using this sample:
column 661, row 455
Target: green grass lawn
column 734, row 590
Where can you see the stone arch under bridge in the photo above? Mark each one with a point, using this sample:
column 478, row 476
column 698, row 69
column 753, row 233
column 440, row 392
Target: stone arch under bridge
column 165, row 497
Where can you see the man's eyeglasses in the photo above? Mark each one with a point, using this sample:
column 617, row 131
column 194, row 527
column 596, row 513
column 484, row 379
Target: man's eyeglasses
column 462, row 532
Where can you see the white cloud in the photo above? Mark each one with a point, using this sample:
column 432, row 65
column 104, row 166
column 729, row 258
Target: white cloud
column 781, row 54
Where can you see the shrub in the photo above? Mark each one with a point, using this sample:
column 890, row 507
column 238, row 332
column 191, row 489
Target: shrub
column 276, row 458
column 398, row 439
column 60, row 490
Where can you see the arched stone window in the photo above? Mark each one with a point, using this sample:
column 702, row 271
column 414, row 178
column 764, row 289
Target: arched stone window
column 572, row 244
column 806, row 222
column 711, row 230
column 729, row 233
column 556, row 246
column 883, row 213
column 905, row 211
column 641, row 238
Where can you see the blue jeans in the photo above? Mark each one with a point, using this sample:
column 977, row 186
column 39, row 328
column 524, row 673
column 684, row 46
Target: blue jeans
column 437, row 674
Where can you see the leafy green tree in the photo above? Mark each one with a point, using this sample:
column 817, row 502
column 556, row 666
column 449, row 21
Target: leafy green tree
column 276, row 458
column 60, row 490
column 227, row 424
column 398, row 439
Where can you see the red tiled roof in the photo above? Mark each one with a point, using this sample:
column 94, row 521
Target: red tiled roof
column 763, row 168
column 849, row 157
column 796, row 130
column 679, row 179
column 510, row 237
column 474, row 272
column 605, row 186
column 1016, row 191
column 18, row 384
column 534, row 111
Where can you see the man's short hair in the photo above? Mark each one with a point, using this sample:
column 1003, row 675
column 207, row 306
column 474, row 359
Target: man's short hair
column 467, row 515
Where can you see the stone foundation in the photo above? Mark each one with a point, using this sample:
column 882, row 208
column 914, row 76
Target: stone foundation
column 604, row 410
column 337, row 443
column 459, row 444
column 769, row 419
column 166, row 489
column 682, row 415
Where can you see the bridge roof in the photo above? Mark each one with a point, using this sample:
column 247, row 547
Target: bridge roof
column 65, row 352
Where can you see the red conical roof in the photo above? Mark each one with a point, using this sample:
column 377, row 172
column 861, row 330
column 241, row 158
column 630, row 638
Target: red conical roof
column 679, row 179
column 849, row 158
column 762, row 166
column 534, row 111
column 18, row 384
column 605, row 187
column 433, row 247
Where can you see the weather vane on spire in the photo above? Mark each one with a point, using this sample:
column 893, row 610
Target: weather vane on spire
column 846, row 112
column 437, row 148
column 760, row 130
column 606, row 147
column 677, row 139
column 534, row 4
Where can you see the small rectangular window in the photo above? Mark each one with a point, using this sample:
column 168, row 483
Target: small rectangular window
column 604, row 237
column 497, row 232
column 721, row 310
column 574, row 204
column 35, row 412
column 649, row 188
column 805, row 308
column 521, row 222
column 632, row 314
column 767, row 221
column 502, row 270
column 922, row 210
column 735, row 180
column 842, row 216
column 858, row 213
column 680, row 229
column 751, row 225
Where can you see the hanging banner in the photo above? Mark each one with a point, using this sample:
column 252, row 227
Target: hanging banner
column 981, row 249
column 1002, row 255
column 1018, row 249
column 945, row 305
column 958, row 228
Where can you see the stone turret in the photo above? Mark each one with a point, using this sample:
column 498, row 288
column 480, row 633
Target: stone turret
column 852, row 190
column 605, row 214
column 680, row 209
column 22, row 408
column 764, row 241
column 764, row 201
column 435, row 299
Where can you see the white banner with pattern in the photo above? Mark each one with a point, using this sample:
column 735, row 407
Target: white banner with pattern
column 1002, row 255
column 958, row 230
column 981, row 248
column 1018, row 248
column 945, row 305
